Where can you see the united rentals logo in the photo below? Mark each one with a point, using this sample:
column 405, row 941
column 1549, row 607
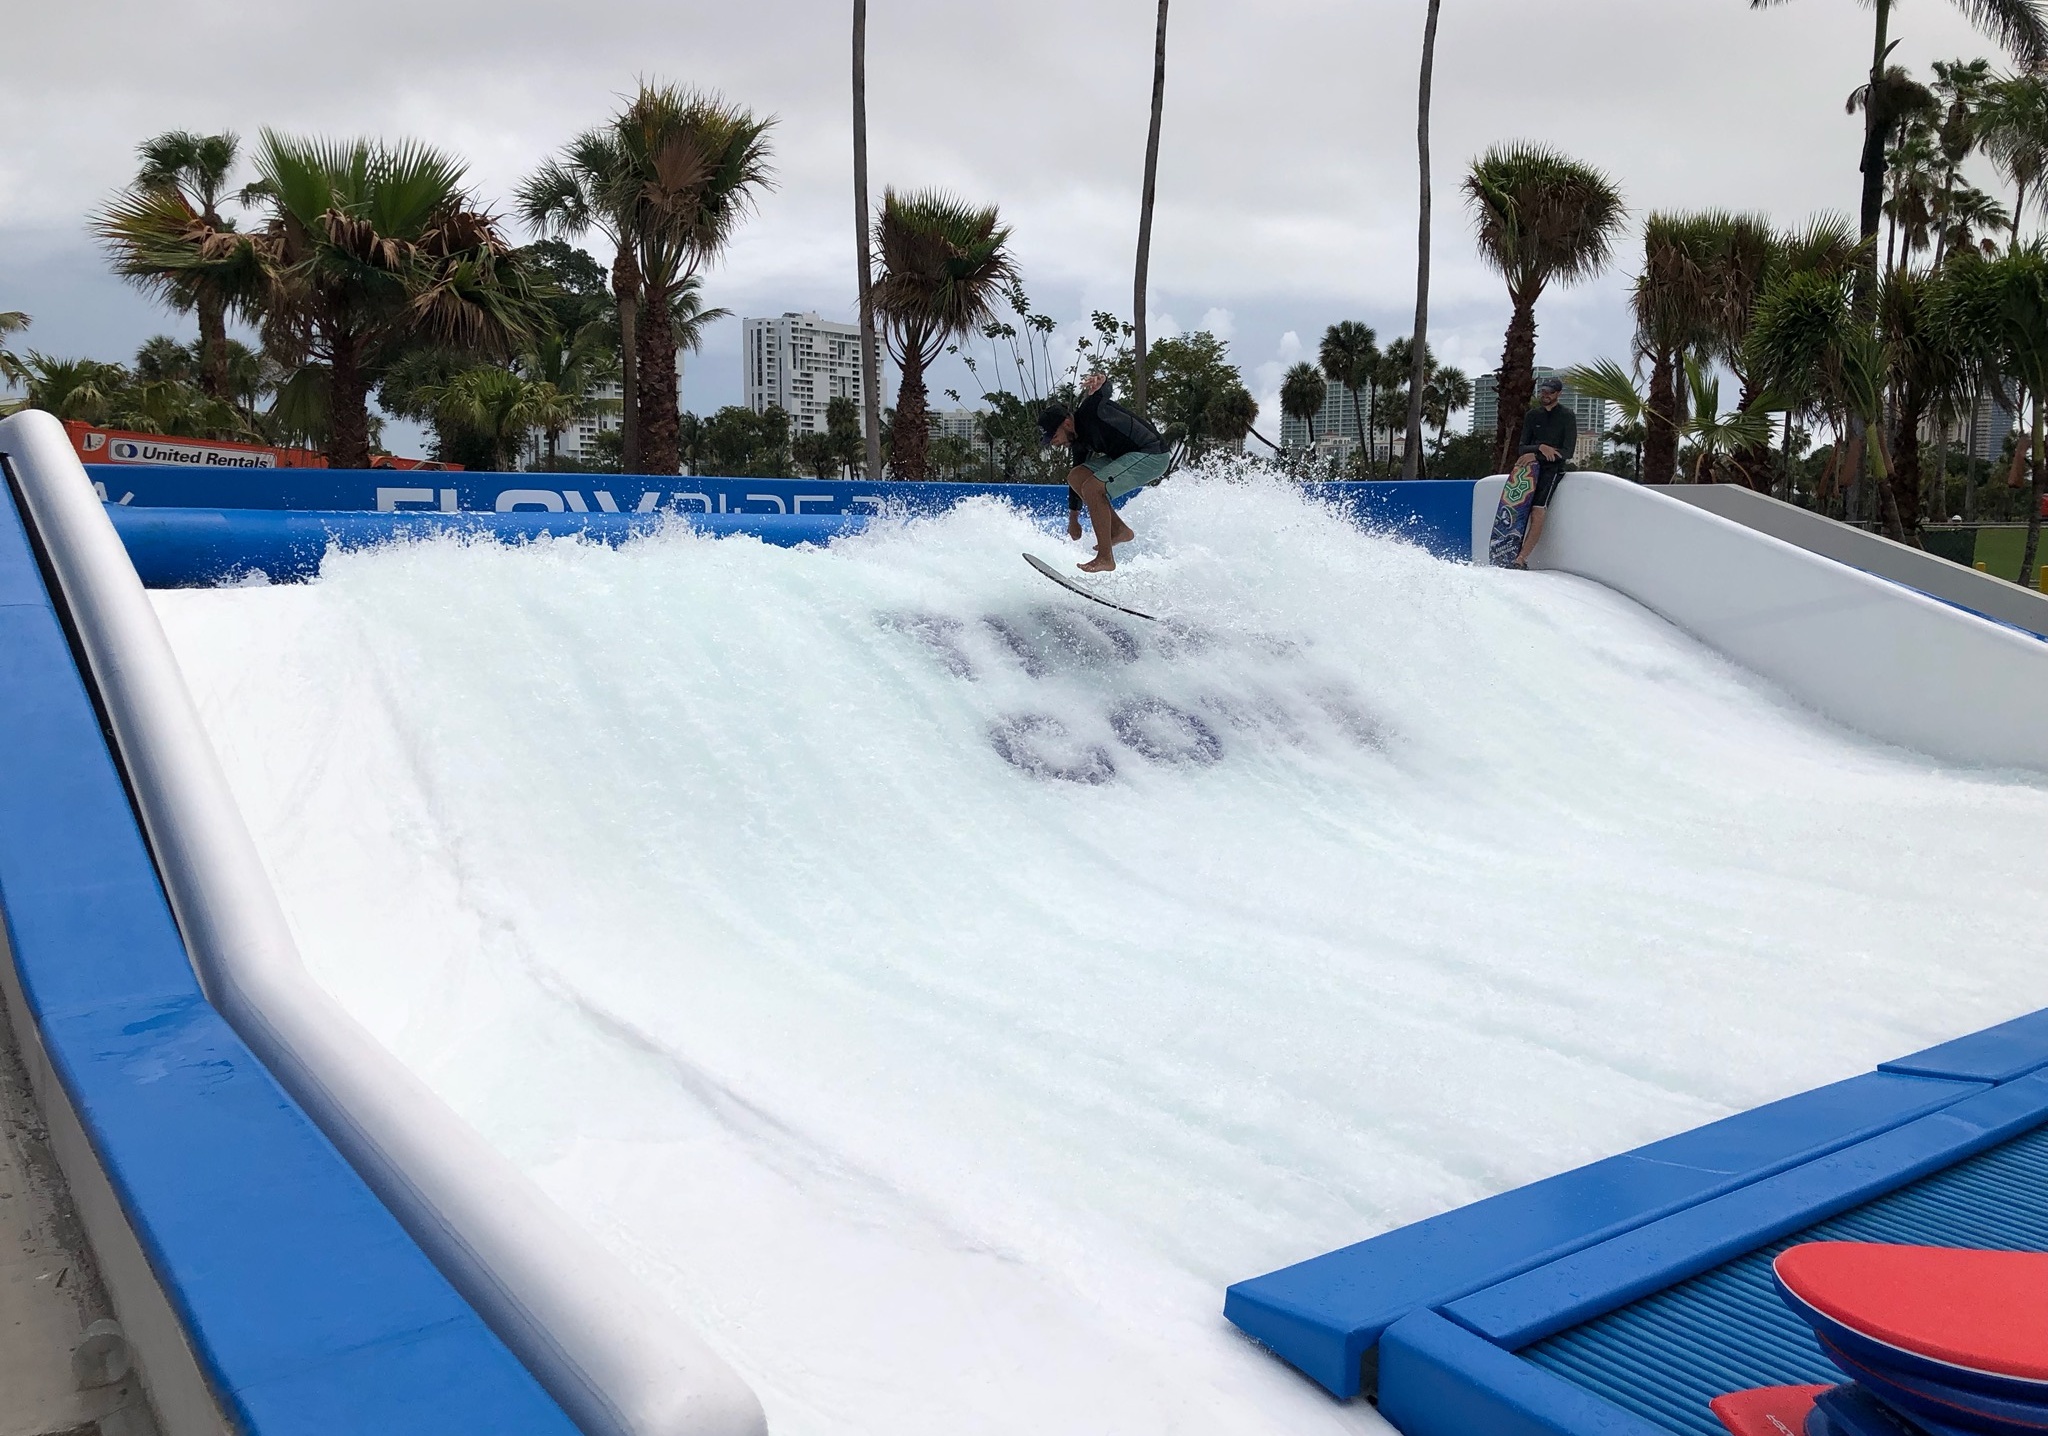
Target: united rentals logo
column 169, row 451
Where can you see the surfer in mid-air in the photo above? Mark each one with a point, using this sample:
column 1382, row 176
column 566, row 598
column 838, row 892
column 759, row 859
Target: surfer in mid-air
column 1115, row 452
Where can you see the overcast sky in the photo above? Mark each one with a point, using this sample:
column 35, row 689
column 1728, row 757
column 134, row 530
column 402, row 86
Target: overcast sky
column 1287, row 172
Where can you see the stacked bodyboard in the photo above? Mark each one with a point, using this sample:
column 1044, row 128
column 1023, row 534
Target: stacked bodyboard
column 1934, row 1340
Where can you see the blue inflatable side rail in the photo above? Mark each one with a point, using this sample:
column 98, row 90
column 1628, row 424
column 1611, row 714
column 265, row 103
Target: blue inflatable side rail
column 176, row 540
column 190, row 548
column 304, row 1304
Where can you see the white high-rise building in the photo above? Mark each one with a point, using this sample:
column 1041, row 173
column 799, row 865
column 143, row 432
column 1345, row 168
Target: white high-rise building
column 801, row 363
column 1591, row 413
column 579, row 440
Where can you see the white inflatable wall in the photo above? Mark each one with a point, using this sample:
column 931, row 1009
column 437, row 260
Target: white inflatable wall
column 1871, row 654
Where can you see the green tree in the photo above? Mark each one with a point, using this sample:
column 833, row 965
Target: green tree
column 587, row 189
column 500, row 407
column 743, row 444
column 1810, row 342
column 1542, row 219
column 1996, row 313
column 1716, row 435
column 1198, row 395
column 942, row 266
column 1349, row 358
column 1446, row 392
column 847, row 431
column 2018, row 25
column 1673, row 301
column 12, row 370
column 2013, row 129
column 370, row 250
column 166, row 233
column 693, row 167
column 816, row 454
column 1302, row 393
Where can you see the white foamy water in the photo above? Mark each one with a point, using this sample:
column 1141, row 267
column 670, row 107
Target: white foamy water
column 941, row 989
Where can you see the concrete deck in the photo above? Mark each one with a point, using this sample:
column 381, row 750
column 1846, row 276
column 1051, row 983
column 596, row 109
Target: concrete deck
column 50, row 1291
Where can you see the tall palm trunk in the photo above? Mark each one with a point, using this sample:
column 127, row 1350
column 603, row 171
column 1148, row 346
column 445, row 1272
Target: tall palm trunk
column 348, row 403
column 1873, row 143
column 626, row 291
column 1660, row 421
column 1358, row 421
column 213, row 347
column 870, row 350
column 913, row 422
column 1908, row 412
column 1418, row 368
column 658, row 408
column 1517, row 380
column 2034, row 491
column 1145, row 211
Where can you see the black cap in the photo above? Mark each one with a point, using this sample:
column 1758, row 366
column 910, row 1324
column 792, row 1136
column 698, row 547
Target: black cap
column 1049, row 420
column 1551, row 385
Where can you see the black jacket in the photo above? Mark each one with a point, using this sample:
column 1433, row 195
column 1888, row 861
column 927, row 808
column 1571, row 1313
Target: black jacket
column 1104, row 429
column 1557, row 427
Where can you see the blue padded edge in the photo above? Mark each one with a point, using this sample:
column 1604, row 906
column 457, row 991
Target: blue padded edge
column 1437, row 1379
column 190, row 548
column 1324, row 1314
column 1529, row 1307
column 191, row 545
column 1997, row 1054
column 307, row 1306
column 183, row 486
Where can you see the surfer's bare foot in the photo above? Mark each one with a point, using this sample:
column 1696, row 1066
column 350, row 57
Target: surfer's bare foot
column 1122, row 534
column 1101, row 563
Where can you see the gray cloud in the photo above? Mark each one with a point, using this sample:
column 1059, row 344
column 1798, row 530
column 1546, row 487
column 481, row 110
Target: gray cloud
column 1287, row 175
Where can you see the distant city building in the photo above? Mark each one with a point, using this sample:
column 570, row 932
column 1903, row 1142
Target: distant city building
column 1592, row 413
column 955, row 424
column 1985, row 438
column 1337, row 426
column 800, row 363
column 579, row 440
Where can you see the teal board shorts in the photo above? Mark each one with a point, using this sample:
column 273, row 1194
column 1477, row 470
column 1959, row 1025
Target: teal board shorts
column 1129, row 473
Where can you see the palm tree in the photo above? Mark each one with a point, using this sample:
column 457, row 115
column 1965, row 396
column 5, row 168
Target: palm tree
column 1542, row 219
column 1892, row 104
column 870, row 352
column 2013, row 129
column 1813, row 348
column 1960, row 86
column 571, row 365
column 162, row 231
column 1138, row 396
column 1449, row 391
column 499, row 408
column 1396, row 371
column 693, row 165
column 370, row 250
column 1349, row 358
column 1713, row 433
column 85, row 389
column 1302, row 392
column 1996, row 312
column 943, row 266
column 2018, row 25
column 1411, row 456
column 568, row 198
column 12, row 370
column 1926, row 372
